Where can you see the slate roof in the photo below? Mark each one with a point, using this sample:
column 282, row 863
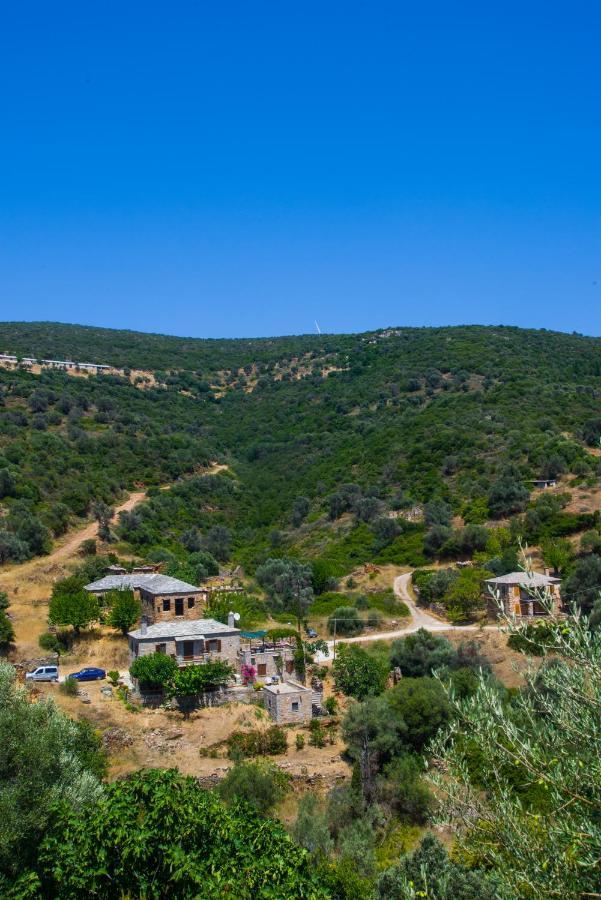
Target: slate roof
column 188, row 628
column 154, row 583
column 286, row 687
column 525, row 579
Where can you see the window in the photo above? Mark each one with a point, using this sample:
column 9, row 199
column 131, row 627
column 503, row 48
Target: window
column 190, row 602
column 179, row 606
column 166, row 604
column 213, row 646
column 295, row 706
column 160, row 648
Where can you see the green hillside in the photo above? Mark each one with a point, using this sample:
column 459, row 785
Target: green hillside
column 465, row 415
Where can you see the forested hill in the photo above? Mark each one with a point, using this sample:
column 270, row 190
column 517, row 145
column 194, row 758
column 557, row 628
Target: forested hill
column 324, row 435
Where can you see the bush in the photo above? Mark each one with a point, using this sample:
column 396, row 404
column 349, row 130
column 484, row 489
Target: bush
column 421, row 653
column 358, row 674
column 69, row 687
column 260, row 784
column 331, row 704
column 88, row 547
column 300, row 741
column 317, row 736
column 113, row 676
column 50, row 642
column 345, row 621
column 271, row 742
column 153, row 670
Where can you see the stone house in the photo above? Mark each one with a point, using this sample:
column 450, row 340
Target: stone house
column 518, row 594
column 289, row 703
column 163, row 599
column 188, row 642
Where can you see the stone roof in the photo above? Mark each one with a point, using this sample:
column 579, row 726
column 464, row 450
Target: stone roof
column 187, row 628
column 154, row 583
column 525, row 579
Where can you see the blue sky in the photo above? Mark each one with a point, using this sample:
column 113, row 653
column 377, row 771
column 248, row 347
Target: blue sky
column 244, row 168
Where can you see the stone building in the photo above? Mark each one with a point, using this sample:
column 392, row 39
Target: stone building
column 163, row 599
column 288, row 703
column 519, row 594
column 188, row 642
column 269, row 658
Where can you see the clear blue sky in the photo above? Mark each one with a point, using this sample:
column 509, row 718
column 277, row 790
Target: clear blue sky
column 244, row 168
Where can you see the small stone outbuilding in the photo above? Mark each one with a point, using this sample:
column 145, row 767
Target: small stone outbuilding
column 288, row 703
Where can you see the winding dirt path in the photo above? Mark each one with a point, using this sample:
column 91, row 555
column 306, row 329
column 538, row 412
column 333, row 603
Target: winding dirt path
column 419, row 619
column 29, row 584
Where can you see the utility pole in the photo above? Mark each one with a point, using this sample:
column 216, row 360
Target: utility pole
column 334, row 653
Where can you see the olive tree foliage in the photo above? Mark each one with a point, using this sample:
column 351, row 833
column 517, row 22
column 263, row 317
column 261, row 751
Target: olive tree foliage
column 288, row 584
column 543, row 839
column 43, row 759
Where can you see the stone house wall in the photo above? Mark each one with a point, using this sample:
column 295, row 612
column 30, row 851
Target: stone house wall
column 172, row 607
column 289, row 707
column 213, row 648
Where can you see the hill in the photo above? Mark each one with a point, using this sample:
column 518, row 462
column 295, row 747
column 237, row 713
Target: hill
column 334, row 443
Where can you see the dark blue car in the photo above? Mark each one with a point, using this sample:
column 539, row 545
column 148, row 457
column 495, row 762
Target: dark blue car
column 91, row 674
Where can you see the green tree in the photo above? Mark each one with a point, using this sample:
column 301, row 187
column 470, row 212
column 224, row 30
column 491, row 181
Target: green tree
column 78, row 609
column 103, row 514
column 428, row 872
column 507, row 495
column 373, row 737
column 288, row 584
column 357, row 674
column 44, row 757
column 124, row 610
column 345, row 620
column 583, row 587
column 208, row 850
column 422, row 706
column 545, row 838
column 154, row 670
column 311, row 830
column 187, row 684
column 464, row 597
column 261, row 784
column 421, row 653
column 558, row 555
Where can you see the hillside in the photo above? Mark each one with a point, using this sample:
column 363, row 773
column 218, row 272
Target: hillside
column 402, row 415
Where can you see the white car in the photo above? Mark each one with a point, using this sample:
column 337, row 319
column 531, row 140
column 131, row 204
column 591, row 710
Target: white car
column 43, row 673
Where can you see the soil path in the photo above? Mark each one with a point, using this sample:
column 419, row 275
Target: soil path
column 29, row 584
column 419, row 619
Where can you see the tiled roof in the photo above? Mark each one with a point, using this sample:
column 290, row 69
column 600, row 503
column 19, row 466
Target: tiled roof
column 189, row 628
column 153, row 583
column 525, row 579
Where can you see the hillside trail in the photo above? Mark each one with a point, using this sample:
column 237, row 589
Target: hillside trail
column 29, row 584
column 419, row 619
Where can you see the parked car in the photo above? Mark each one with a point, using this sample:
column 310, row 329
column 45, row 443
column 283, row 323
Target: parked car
column 43, row 673
column 311, row 632
column 91, row 674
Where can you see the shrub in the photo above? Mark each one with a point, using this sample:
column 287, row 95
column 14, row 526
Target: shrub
column 358, row 674
column 260, row 784
column 345, row 620
column 421, row 653
column 50, row 642
column 153, row 670
column 317, row 736
column 69, row 687
column 88, row 547
column 300, row 741
column 331, row 704
column 271, row 742
column 113, row 676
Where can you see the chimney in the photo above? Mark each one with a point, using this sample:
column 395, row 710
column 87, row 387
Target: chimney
column 143, row 625
column 230, row 619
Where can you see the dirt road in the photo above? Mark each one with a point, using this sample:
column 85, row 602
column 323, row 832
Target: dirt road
column 419, row 619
